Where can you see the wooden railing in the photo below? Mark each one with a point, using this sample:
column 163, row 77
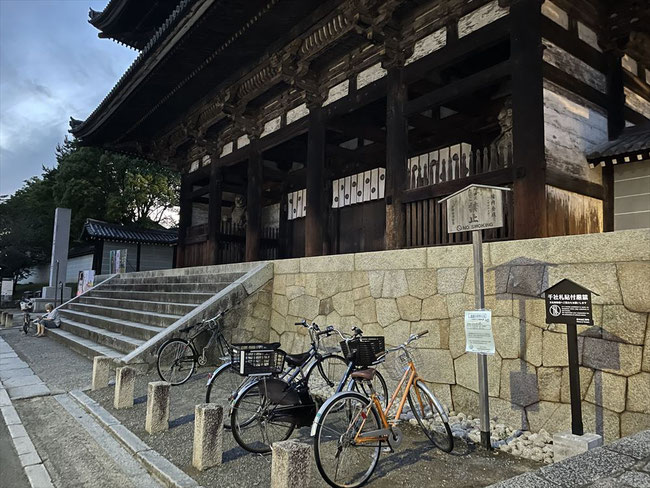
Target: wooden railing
column 426, row 218
column 455, row 162
column 231, row 243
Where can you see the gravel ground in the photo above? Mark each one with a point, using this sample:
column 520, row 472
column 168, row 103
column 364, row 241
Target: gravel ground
column 414, row 462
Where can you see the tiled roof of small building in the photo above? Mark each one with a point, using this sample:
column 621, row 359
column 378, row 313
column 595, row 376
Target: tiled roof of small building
column 96, row 229
column 632, row 145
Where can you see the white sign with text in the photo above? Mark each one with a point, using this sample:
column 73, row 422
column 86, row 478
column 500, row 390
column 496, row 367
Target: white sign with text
column 475, row 208
column 478, row 331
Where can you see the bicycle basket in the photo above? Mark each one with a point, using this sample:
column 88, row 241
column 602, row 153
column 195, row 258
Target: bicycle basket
column 363, row 351
column 396, row 364
column 257, row 359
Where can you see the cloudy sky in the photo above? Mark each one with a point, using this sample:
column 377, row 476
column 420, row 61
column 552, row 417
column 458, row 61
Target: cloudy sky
column 52, row 66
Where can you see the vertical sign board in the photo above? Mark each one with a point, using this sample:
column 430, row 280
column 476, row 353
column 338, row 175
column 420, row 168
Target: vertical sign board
column 7, row 290
column 474, row 208
column 569, row 303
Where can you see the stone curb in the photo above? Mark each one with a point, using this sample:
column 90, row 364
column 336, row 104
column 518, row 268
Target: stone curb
column 163, row 469
column 30, row 461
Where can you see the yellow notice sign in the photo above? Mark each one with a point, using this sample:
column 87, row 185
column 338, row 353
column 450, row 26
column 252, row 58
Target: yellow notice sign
column 478, row 332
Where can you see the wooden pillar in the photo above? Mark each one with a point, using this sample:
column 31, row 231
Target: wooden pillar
column 254, row 203
column 615, row 125
column 214, row 213
column 315, row 218
column 396, row 149
column 137, row 259
column 283, row 226
column 528, row 120
column 184, row 219
column 98, row 255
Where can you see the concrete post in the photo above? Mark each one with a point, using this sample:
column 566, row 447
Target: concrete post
column 157, row 419
column 124, row 386
column 9, row 319
column 290, row 465
column 101, row 371
column 208, row 436
column 60, row 243
column 3, row 316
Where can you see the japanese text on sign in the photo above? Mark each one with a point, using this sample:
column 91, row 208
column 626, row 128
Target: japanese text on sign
column 478, row 332
column 474, row 209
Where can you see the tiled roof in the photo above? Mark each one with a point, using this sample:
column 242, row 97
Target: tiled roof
column 96, row 229
column 633, row 144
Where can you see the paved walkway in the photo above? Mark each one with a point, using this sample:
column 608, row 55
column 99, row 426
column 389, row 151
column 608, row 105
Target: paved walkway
column 17, row 377
column 621, row 464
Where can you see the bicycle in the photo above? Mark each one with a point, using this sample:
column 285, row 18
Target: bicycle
column 178, row 358
column 227, row 382
column 269, row 409
column 27, row 307
column 350, row 428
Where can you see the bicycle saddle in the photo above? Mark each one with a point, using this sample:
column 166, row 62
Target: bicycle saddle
column 296, row 359
column 364, row 374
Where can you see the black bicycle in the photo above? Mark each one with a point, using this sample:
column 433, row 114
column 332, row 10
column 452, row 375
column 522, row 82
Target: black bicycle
column 27, row 307
column 178, row 358
column 269, row 409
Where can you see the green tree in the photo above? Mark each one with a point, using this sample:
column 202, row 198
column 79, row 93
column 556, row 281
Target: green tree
column 92, row 182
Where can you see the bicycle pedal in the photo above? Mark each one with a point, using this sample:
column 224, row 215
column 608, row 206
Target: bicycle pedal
column 387, row 449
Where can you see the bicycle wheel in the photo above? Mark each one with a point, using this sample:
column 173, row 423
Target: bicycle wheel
column 223, row 386
column 325, row 376
column 176, row 361
column 341, row 461
column 378, row 384
column 261, row 415
column 430, row 418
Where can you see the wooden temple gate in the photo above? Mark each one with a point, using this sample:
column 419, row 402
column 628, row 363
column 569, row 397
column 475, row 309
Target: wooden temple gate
column 370, row 112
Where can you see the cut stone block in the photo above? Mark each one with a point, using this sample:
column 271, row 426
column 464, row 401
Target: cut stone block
column 208, row 436
column 124, row 387
column 157, row 419
column 566, row 444
column 291, row 464
column 101, row 371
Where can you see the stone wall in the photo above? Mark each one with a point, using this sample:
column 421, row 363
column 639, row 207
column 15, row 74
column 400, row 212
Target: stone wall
column 396, row 293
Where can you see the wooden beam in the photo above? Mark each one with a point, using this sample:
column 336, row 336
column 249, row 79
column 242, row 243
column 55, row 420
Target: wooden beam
column 396, row 147
column 484, row 37
column 499, row 177
column 528, row 120
column 633, row 116
column 615, row 125
column 184, row 220
column 564, row 181
column 458, row 88
column 314, row 220
column 574, row 85
column 214, row 213
column 637, row 85
column 571, row 43
column 254, row 203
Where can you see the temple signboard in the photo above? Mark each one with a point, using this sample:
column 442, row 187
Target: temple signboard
column 476, row 207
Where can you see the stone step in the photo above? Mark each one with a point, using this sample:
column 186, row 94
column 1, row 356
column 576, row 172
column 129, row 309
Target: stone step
column 119, row 326
column 195, row 278
column 141, row 317
column 85, row 347
column 151, row 296
column 143, row 305
column 169, row 287
column 103, row 337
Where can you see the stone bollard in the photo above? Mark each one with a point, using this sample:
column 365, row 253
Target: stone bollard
column 157, row 419
column 208, row 436
column 9, row 320
column 124, row 386
column 101, row 371
column 290, row 464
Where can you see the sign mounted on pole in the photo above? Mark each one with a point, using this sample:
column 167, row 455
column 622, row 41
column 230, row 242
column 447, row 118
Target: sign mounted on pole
column 474, row 208
column 569, row 303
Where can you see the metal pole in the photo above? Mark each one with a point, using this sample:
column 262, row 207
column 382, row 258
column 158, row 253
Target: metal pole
column 479, row 303
column 574, row 380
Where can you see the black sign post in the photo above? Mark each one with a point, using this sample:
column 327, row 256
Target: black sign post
column 569, row 303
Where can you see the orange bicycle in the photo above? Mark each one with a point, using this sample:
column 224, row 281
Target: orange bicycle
column 351, row 430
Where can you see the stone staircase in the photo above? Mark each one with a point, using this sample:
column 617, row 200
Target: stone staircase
column 120, row 315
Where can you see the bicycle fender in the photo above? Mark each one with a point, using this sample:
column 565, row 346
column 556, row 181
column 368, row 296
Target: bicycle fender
column 440, row 406
column 216, row 372
column 277, row 390
column 329, row 401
